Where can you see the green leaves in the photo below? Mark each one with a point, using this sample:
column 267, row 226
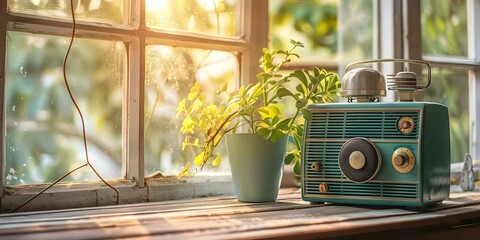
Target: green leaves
column 272, row 128
column 317, row 88
column 306, row 114
column 296, row 43
column 301, row 103
column 283, row 92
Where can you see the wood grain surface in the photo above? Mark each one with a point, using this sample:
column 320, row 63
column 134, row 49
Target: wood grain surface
column 226, row 218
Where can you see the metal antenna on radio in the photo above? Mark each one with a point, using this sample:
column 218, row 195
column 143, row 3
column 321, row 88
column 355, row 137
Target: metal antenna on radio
column 405, row 84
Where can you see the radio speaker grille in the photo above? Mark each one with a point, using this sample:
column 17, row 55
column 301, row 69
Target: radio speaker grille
column 372, row 125
column 327, row 154
column 369, row 189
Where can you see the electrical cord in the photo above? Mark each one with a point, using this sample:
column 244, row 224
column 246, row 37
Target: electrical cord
column 83, row 126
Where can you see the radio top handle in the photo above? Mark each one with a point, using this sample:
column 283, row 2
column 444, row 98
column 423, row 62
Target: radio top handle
column 397, row 60
column 403, row 83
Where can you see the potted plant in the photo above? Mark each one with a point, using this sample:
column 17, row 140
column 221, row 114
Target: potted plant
column 255, row 123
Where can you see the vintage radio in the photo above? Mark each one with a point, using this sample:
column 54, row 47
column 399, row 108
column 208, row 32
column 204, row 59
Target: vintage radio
column 378, row 153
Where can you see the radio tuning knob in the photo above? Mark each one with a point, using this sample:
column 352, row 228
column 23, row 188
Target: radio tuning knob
column 316, row 167
column 400, row 159
column 403, row 160
column 323, row 187
column 356, row 160
column 405, row 125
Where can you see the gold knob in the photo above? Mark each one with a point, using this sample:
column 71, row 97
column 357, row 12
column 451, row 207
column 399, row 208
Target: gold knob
column 403, row 160
column 400, row 159
column 405, row 125
column 356, row 160
column 323, row 187
column 316, row 167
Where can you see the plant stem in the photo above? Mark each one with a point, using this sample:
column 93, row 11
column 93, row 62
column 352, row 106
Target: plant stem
column 309, row 95
column 273, row 72
column 252, row 127
column 293, row 118
column 220, row 128
column 264, row 87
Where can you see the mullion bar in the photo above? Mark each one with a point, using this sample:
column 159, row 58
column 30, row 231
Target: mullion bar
column 3, row 47
column 473, row 15
column 134, row 106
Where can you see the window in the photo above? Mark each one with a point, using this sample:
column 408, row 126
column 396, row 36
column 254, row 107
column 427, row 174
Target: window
column 130, row 65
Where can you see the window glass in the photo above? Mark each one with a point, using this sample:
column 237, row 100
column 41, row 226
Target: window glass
column 450, row 87
column 214, row 17
column 313, row 22
column 356, row 30
column 170, row 73
column 444, row 28
column 43, row 130
column 99, row 11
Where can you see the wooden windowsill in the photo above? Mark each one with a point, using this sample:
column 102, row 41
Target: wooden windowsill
column 226, row 218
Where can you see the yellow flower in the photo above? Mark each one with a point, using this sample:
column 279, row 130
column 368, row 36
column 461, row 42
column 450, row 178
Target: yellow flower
column 187, row 125
column 217, row 161
column 185, row 172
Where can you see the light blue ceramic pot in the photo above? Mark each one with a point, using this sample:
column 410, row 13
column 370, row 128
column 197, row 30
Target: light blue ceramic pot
column 256, row 165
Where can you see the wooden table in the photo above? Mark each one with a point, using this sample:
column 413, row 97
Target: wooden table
column 226, row 218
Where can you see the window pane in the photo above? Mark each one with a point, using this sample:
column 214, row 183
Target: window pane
column 450, row 87
column 99, row 11
column 44, row 135
column 170, row 74
column 215, row 17
column 356, row 30
column 444, row 28
column 313, row 22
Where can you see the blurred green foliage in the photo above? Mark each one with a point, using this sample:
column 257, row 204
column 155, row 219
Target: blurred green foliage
column 444, row 33
column 43, row 129
column 444, row 28
column 357, row 30
column 315, row 19
column 449, row 86
column 43, row 132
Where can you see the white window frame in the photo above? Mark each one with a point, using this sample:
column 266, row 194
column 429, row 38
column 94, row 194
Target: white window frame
column 135, row 187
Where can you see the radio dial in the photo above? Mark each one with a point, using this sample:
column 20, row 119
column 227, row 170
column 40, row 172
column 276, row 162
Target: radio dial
column 359, row 160
column 405, row 125
column 356, row 160
column 403, row 160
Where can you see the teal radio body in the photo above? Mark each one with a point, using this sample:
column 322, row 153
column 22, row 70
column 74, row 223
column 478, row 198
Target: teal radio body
column 332, row 125
column 376, row 153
